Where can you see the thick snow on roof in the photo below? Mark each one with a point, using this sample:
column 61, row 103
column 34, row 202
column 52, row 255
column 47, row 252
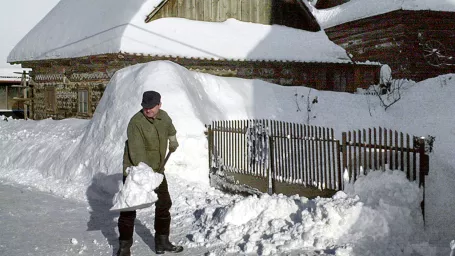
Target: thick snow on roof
column 359, row 9
column 76, row 28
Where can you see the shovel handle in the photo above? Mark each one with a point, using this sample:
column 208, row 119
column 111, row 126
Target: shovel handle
column 165, row 160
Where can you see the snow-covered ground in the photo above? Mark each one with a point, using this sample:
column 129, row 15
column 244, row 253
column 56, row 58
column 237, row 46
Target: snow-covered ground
column 79, row 161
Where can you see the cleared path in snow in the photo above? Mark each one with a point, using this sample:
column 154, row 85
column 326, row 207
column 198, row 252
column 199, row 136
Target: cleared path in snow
column 37, row 223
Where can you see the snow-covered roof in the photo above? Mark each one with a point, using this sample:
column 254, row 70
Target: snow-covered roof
column 359, row 9
column 11, row 74
column 76, row 28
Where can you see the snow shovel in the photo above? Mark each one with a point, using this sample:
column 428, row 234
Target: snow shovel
column 141, row 206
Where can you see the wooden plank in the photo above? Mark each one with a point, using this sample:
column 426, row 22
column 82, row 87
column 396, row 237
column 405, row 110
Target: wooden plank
column 255, row 10
column 265, row 12
column 301, row 152
column 365, row 153
column 180, row 8
column 295, row 154
column 223, row 7
column 277, row 150
column 207, row 10
column 414, row 159
column 245, row 10
column 396, row 150
column 386, row 162
column 344, row 158
column 326, row 162
column 391, row 149
column 381, row 164
column 370, row 153
column 331, row 159
column 350, row 155
column 306, row 156
column 313, row 155
column 288, row 151
column 408, row 162
column 402, row 151
column 340, row 176
column 215, row 10
column 199, row 10
column 318, row 156
column 355, row 155
column 375, row 153
column 282, row 148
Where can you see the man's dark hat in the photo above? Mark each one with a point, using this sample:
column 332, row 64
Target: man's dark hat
column 150, row 99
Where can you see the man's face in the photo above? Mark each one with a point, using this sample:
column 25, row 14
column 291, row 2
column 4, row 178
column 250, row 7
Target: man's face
column 152, row 112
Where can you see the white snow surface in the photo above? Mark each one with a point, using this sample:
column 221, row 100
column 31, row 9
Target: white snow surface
column 377, row 215
column 114, row 26
column 138, row 190
column 359, row 9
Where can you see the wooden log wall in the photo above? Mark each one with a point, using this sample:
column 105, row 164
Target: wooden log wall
column 93, row 73
column 257, row 11
column 395, row 38
column 289, row 13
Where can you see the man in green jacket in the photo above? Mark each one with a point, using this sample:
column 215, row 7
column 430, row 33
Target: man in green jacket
column 148, row 134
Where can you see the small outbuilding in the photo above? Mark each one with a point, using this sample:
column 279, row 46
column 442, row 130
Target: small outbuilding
column 80, row 44
column 415, row 38
column 12, row 91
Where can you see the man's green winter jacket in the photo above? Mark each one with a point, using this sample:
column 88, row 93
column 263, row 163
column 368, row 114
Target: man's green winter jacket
column 147, row 140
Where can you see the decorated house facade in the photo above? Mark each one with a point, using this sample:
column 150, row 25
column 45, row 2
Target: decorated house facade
column 235, row 38
column 415, row 38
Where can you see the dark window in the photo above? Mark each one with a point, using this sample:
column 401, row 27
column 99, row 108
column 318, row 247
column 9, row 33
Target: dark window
column 82, row 101
column 50, row 99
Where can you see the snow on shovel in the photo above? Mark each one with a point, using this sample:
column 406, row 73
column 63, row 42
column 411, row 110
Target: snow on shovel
column 138, row 190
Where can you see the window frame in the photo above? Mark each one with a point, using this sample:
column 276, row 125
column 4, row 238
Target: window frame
column 50, row 99
column 83, row 101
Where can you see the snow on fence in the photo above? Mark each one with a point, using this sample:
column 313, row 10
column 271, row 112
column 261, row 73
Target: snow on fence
column 276, row 152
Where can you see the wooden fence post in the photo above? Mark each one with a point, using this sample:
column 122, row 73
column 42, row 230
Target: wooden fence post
column 345, row 155
column 424, row 166
column 271, row 166
column 210, row 146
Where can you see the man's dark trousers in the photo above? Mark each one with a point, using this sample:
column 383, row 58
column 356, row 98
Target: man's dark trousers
column 162, row 214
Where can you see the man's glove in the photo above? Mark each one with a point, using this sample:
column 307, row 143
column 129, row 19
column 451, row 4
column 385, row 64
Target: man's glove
column 173, row 144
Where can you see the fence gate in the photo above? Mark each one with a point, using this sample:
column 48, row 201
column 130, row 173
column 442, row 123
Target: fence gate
column 272, row 156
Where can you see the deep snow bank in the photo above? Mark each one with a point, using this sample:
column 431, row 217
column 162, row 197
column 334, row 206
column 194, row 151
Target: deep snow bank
column 378, row 215
column 192, row 99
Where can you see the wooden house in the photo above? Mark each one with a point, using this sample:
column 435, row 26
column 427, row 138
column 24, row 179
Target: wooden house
column 416, row 39
column 11, row 92
column 71, row 70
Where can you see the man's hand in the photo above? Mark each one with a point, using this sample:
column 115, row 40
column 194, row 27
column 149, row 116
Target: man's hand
column 173, row 144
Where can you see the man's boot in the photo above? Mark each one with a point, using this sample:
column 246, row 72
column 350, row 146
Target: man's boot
column 125, row 247
column 162, row 245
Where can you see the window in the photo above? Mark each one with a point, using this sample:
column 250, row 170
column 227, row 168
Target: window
column 49, row 97
column 82, row 101
column 339, row 80
column 3, row 97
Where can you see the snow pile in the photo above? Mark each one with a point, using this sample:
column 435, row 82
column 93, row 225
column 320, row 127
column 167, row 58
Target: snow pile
column 384, row 218
column 67, row 156
column 138, row 190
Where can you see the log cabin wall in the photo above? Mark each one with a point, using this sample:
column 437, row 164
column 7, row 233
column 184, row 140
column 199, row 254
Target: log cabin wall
column 61, row 88
column 291, row 13
column 403, row 40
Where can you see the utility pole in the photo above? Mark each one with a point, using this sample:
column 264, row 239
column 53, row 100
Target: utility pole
column 24, row 87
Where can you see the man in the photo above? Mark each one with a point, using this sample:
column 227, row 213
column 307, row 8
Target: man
column 148, row 134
